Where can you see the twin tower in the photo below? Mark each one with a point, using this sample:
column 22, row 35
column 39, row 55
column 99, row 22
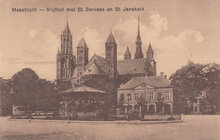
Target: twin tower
column 69, row 66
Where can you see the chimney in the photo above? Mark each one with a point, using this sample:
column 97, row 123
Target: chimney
column 165, row 76
column 161, row 74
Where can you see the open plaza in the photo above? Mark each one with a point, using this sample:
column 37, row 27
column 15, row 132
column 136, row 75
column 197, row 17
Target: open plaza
column 193, row 127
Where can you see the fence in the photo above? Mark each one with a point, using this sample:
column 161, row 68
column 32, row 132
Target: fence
column 162, row 117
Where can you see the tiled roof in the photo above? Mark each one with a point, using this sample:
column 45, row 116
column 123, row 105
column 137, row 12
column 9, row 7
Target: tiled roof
column 132, row 66
column 93, row 70
column 110, row 38
column 100, row 61
column 82, row 42
column 124, row 67
column 82, row 89
column 153, row 81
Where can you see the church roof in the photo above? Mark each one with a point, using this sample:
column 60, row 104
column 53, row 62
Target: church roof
column 132, row 66
column 124, row 67
column 110, row 38
column 82, row 42
column 127, row 52
column 98, row 60
column 150, row 48
column 67, row 29
column 93, row 70
column 81, row 90
column 153, row 81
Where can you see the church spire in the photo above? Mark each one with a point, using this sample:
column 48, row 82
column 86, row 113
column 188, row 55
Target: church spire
column 138, row 34
column 67, row 29
column 110, row 39
column 150, row 52
column 138, row 53
column 127, row 55
column 111, row 55
column 82, row 43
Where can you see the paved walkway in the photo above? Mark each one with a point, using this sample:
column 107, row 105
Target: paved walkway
column 100, row 122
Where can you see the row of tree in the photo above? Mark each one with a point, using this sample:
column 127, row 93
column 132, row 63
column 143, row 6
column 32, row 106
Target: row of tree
column 31, row 92
column 28, row 90
column 193, row 79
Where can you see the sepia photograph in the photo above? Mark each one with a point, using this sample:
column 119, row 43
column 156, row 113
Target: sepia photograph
column 109, row 70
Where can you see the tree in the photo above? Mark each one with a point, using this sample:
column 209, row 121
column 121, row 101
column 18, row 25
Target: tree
column 46, row 97
column 5, row 97
column 141, row 101
column 24, row 84
column 192, row 79
column 160, row 101
column 121, row 102
column 31, row 92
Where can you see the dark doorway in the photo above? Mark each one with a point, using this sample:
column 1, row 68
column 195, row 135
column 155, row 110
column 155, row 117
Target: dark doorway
column 167, row 109
column 151, row 109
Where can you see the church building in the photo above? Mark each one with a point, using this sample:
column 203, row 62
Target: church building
column 99, row 75
column 72, row 68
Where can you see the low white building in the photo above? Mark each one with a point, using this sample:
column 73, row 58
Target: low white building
column 150, row 94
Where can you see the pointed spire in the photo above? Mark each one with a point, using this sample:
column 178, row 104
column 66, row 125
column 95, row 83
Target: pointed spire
column 138, row 53
column 127, row 50
column 110, row 38
column 150, row 48
column 127, row 54
column 138, row 34
column 82, row 42
column 150, row 52
column 67, row 29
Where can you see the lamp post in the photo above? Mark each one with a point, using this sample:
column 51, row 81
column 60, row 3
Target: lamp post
column 12, row 92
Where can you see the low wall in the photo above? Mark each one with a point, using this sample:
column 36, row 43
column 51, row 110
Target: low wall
column 162, row 117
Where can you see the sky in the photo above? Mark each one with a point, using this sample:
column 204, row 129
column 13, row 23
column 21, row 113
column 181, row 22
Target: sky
column 178, row 30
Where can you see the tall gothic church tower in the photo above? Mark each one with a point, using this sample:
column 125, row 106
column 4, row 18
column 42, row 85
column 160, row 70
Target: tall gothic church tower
column 111, row 55
column 138, row 53
column 66, row 62
column 82, row 56
column 151, row 61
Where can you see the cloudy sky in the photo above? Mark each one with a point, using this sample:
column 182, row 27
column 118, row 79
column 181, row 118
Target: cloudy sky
column 179, row 30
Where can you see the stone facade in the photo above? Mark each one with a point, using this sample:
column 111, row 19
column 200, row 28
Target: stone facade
column 71, row 68
column 82, row 57
column 66, row 61
column 155, row 92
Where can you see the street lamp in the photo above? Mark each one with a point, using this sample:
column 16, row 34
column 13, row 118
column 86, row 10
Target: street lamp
column 12, row 92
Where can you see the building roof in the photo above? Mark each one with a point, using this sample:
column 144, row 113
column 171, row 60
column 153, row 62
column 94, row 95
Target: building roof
column 127, row 52
column 82, row 42
column 150, row 49
column 132, row 66
column 67, row 29
column 93, row 70
column 82, row 89
column 153, row 81
column 100, row 61
column 124, row 67
column 110, row 38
